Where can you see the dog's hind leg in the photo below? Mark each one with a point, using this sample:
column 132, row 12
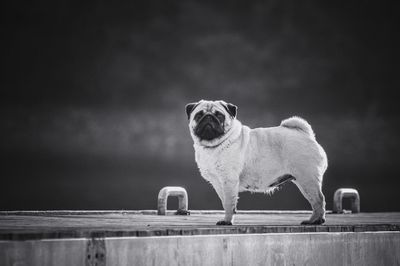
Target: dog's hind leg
column 312, row 191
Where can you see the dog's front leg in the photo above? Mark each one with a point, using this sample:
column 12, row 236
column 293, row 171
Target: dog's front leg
column 230, row 191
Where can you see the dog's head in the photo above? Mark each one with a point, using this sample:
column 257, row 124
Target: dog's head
column 210, row 120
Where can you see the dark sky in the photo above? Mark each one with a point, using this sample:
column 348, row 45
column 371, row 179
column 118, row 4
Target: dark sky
column 93, row 95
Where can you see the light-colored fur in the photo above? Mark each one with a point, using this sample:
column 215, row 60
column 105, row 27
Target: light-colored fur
column 245, row 159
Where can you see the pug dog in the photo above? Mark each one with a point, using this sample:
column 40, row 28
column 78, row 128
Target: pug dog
column 236, row 158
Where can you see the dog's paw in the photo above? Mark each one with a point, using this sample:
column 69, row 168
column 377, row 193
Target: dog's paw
column 182, row 212
column 315, row 222
column 222, row 222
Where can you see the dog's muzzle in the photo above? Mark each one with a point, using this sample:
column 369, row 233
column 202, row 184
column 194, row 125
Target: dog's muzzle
column 209, row 127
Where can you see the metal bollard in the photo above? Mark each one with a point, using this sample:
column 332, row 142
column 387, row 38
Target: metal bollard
column 346, row 193
column 179, row 192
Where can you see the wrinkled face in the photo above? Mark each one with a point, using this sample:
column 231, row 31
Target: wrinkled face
column 209, row 120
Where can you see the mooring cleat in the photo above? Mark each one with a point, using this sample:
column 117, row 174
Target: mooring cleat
column 222, row 222
column 342, row 193
column 167, row 192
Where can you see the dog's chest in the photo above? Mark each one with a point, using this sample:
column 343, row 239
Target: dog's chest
column 217, row 164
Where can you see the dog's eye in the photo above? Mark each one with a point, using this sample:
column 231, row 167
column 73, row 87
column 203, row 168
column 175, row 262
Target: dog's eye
column 220, row 116
column 198, row 115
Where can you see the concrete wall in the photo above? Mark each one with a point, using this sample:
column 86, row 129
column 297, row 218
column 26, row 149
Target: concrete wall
column 365, row 248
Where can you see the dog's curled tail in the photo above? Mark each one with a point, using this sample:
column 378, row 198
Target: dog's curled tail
column 298, row 123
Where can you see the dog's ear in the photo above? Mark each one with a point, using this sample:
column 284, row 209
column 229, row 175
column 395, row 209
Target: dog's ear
column 189, row 108
column 230, row 108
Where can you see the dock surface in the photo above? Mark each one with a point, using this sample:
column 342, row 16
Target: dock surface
column 30, row 225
